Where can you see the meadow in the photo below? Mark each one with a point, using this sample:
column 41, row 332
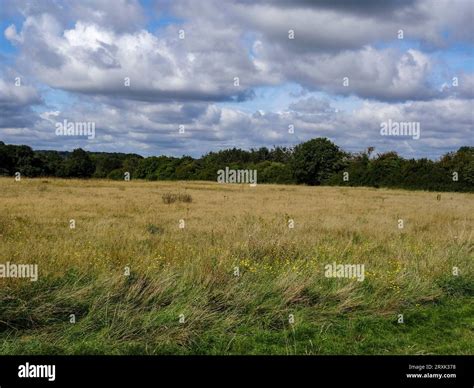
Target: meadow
column 208, row 268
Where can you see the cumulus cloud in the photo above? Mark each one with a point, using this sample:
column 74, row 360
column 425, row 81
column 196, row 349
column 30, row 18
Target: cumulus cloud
column 148, row 128
column 140, row 83
column 369, row 73
column 16, row 101
column 12, row 93
column 119, row 15
column 140, row 65
column 93, row 57
column 312, row 105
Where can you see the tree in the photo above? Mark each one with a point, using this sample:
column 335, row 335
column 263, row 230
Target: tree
column 274, row 172
column 105, row 164
column 385, row 170
column 462, row 163
column 79, row 165
column 315, row 161
column 6, row 159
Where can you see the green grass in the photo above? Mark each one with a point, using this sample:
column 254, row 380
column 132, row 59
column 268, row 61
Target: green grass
column 122, row 316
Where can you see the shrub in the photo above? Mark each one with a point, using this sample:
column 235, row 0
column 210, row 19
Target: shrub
column 169, row 198
column 153, row 229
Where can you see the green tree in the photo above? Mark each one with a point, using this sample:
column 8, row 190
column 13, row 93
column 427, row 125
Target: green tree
column 79, row 164
column 273, row 172
column 315, row 161
column 385, row 170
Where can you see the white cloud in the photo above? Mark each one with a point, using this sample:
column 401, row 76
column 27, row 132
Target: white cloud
column 88, row 48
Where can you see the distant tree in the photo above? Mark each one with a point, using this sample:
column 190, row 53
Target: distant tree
column 316, row 160
column 79, row 165
column 186, row 170
column 6, row 159
column 105, row 164
column 354, row 171
column 131, row 163
column 53, row 163
column 462, row 163
column 385, row 170
column 20, row 158
column 281, row 155
column 274, row 172
column 116, row 175
column 260, row 155
column 147, row 167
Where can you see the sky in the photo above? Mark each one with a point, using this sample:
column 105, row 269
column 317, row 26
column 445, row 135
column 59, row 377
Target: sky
column 185, row 77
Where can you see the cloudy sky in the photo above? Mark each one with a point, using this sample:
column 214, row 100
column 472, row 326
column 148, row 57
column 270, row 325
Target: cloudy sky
column 237, row 73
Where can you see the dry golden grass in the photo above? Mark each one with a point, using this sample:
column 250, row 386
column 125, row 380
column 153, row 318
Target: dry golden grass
column 128, row 224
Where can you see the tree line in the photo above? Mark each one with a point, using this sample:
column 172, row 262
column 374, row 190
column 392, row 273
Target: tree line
column 314, row 162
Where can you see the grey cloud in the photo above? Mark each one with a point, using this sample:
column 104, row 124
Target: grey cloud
column 360, row 6
column 94, row 60
column 312, row 105
column 16, row 103
column 464, row 87
column 446, row 124
column 386, row 75
column 119, row 15
column 88, row 48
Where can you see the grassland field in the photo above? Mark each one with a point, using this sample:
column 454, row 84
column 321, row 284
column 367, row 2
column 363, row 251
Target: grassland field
column 220, row 270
